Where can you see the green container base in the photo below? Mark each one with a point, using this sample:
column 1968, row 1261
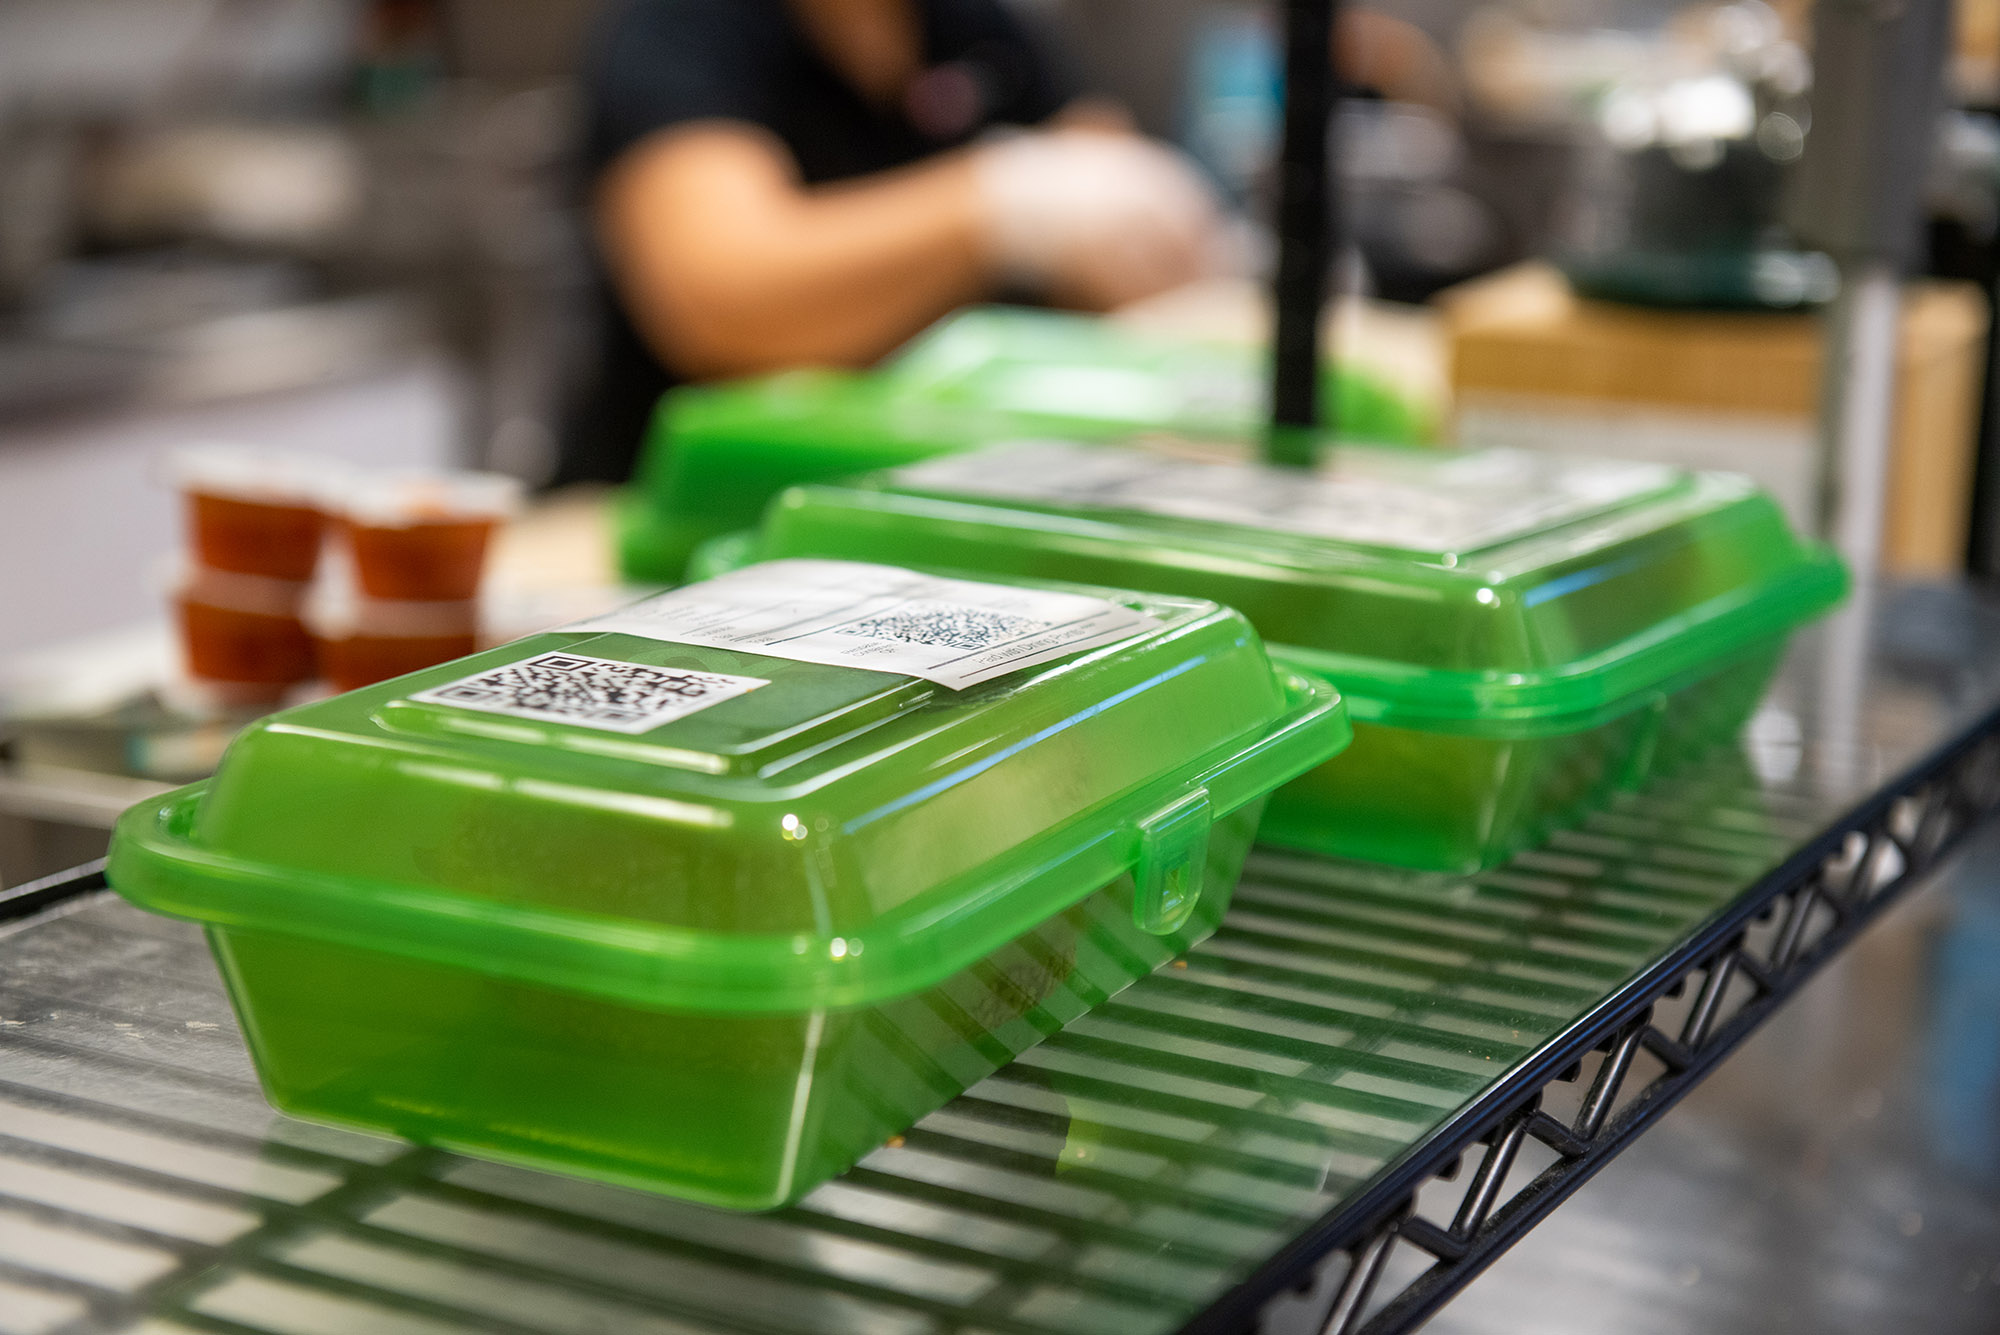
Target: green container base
column 742, row 1111
column 1456, row 802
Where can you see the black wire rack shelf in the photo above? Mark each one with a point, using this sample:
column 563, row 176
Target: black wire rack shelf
column 1329, row 1117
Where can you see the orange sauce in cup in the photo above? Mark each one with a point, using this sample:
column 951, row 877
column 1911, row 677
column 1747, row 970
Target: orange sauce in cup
column 431, row 560
column 228, row 644
column 358, row 660
column 247, row 537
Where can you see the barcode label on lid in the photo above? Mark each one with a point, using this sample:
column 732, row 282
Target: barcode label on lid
column 590, row 692
column 944, row 625
column 954, row 632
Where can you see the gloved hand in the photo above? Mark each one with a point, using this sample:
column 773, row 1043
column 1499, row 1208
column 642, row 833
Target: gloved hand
column 1092, row 218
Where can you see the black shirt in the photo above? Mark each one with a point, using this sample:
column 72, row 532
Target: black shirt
column 657, row 63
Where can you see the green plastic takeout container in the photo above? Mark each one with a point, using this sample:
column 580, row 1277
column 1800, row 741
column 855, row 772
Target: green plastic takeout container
column 716, row 454
column 714, row 894
column 1086, row 374
column 1515, row 633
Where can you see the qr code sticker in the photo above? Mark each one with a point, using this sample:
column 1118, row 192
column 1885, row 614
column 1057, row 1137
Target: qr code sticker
column 590, row 692
column 945, row 625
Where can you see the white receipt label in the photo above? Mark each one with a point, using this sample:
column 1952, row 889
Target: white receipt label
column 954, row 632
column 1410, row 500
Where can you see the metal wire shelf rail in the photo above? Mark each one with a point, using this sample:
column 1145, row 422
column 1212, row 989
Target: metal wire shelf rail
column 1685, row 1014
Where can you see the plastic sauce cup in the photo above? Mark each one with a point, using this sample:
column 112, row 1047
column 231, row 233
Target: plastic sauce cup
column 425, row 537
column 366, row 640
column 243, row 631
column 254, row 512
column 362, row 660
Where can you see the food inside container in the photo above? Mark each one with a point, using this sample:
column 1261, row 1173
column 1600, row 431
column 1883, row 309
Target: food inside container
column 715, row 893
column 1517, row 633
column 254, row 511
column 424, row 536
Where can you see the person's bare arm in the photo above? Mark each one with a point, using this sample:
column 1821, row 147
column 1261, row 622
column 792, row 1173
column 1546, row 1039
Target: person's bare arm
column 729, row 266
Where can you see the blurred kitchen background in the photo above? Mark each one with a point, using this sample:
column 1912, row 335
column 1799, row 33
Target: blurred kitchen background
column 334, row 226
column 352, row 226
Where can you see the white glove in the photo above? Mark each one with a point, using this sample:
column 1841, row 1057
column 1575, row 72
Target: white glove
column 1095, row 217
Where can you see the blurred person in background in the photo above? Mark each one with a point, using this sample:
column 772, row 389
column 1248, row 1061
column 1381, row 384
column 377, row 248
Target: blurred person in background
column 781, row 183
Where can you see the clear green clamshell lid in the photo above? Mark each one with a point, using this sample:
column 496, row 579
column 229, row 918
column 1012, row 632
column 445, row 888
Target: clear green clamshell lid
column 1471, row 587
column 808, row 783
column 715, row 454
column 1073, row 372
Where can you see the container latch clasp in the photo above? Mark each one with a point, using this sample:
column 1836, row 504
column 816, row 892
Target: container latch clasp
column 1173, row 853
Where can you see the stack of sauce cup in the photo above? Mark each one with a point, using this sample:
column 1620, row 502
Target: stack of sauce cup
column 255, row 522
column 416, row 546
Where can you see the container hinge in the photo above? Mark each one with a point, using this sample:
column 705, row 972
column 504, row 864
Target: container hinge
column 1173, row 855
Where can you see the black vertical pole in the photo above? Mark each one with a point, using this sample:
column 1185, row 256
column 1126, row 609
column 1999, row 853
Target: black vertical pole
column 1305, row 231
